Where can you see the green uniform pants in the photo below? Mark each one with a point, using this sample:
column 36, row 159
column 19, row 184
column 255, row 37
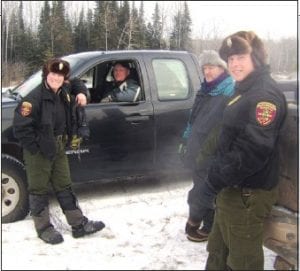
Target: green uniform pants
column 236, row 239
column 41, row 172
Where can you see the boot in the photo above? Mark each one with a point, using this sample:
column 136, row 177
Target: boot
column 40, row 214
column 80, row 224
column 45, row 229
column 193, row 233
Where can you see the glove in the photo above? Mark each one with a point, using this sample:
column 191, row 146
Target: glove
column 75, row 142
column 84, row 132
column 182, row 150
column 207, row 195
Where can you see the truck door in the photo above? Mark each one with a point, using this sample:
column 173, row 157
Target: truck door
column 121, row 136
column 172, row 89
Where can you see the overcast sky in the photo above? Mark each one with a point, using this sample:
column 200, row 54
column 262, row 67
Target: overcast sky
column 269, row 19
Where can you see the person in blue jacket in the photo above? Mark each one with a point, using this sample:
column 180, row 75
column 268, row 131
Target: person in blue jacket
column 201, row 136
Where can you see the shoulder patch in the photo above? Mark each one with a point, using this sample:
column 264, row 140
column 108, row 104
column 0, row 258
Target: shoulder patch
column 234, row 100
column 265, row 113
column 26, row 109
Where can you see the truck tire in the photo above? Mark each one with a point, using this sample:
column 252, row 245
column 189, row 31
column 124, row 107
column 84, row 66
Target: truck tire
column 14, row 192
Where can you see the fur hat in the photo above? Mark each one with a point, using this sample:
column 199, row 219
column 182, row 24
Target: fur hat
column 57, row 65
column 244, row 42
column 211, row 57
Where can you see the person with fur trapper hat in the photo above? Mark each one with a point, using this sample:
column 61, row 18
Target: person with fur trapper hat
column 242, row 179
column 44, row 123
column 200, row 137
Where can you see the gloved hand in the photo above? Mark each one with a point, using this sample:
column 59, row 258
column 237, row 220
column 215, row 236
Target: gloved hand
column 75, row 142
column 182, row 149
column 84, row 132
column 107, row 99
column 207, row 195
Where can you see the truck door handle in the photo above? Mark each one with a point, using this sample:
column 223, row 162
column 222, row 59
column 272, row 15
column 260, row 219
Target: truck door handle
column 137, row 118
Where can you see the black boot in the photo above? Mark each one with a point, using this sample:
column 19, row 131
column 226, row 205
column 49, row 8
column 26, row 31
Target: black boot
column 40, row 214
column 81, row 225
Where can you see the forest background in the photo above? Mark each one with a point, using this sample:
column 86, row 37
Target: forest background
column 34, row 31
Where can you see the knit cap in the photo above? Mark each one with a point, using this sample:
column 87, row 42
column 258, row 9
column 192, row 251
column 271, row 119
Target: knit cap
column 211, row 57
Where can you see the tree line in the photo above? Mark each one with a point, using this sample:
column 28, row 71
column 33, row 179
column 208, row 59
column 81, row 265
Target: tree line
column 109, row 25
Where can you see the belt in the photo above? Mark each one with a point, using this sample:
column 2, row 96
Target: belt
column 245, row 191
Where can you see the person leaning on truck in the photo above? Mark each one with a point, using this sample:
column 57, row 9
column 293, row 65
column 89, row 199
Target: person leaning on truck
column 201, row 135
column 243, row 177
column 44, row 121
column 123, row 88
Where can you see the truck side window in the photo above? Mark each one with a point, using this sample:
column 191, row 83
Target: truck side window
column 171, row 79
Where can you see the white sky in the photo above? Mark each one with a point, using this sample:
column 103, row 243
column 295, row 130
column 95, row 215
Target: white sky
column 269, row 19
column 144, row 231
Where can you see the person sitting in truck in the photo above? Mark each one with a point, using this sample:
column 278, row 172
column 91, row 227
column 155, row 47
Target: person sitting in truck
column 123, row 88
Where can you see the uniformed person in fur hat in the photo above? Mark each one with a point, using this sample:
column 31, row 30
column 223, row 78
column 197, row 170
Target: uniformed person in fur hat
column 43, row 124
column 244, row 175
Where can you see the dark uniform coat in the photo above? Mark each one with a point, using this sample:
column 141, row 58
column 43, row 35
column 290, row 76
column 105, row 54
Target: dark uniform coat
column 34, row 120
column 248, row 150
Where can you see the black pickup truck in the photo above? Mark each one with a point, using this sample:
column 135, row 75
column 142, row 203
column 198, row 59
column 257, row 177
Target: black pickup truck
column 127, row 138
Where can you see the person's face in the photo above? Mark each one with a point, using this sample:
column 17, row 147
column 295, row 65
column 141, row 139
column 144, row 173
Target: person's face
column 240, row 66
column 120, row 73
column 55, row 80
column 211, row 72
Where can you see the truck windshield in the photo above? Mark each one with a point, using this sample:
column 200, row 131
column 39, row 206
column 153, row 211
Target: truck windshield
column 34, row 80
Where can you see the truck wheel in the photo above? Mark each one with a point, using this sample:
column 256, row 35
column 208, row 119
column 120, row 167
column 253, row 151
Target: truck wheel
column 13, row 190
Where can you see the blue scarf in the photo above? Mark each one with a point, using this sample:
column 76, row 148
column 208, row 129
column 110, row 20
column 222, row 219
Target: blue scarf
column 222, row 85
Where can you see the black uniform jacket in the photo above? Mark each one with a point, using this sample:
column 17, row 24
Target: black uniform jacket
column 247, row 153
column 34, row 120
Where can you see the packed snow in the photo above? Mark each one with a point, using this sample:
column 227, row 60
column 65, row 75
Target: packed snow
column 145, row 222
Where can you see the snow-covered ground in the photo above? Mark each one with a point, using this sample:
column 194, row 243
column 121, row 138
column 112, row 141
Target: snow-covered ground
column 145, row 223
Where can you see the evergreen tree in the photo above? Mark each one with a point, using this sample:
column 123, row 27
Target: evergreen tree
column 61, row 30
column 98, row 30
column 45, row 34
column 154, row 30
column 180, row 38
column 133, row 31
column 80, row 34
column 123, row 25
column 113, row 37
column 20, row 36
column 109, row 20
column 186, row 28
column 141, row 27
column 89, row 29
